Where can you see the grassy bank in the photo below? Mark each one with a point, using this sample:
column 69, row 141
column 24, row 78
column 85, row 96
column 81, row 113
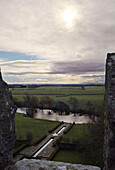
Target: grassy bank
column 36, row 126
column 73, row 157
column 89, row 139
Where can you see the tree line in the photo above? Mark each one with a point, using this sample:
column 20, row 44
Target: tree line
column 45, row 102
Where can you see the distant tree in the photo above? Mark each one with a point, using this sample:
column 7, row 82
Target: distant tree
column 61, row 107
column 49, row 101
column 42, row 103
column 17, row 102
column 73, row 103
column 90, row 108
column 46, row 101
column 31, row 103
column 83, row 87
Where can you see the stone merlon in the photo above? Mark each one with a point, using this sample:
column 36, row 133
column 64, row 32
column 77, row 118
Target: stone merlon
column 109, row 140
column 7, row 125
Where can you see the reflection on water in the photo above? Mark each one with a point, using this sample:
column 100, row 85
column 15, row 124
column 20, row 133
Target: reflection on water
column 56, row 117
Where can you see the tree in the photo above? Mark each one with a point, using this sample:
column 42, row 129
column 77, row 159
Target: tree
column 49, row 101
column 46, row 101
column 74, row 104
column 83, row 87
column 90, row 108
column 31, row 103
column 17, row 102
column 42, row 103
column 61, row 107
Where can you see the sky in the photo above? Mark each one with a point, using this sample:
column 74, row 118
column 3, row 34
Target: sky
column 56, row 42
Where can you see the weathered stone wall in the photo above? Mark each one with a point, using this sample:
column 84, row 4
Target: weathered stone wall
column 109, row 146
column 35, row 164
column 7, row 125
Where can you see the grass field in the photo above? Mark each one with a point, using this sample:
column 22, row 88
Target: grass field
column 58, row 90
column 80, row 131
column 75, row 157
column 93, row 144
column 59, row 93
column 36, row 126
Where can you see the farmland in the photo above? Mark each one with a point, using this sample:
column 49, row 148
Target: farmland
column 82, row 136
column 63, row 93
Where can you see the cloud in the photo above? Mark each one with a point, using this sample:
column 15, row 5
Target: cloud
column 22, row 67
column 1, row 60
column 94, row 76
column 35, row 28
column 77, row 67
column 40, row 71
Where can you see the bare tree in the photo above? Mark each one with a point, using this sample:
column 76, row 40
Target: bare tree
column 73, row 103
column 31, row 103
column 46, row 101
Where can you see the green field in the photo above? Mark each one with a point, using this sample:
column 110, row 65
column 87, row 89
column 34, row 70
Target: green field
column 73, row 157
column 80, row 131
column 88, row 136
column 38, row 127
column 59, row 93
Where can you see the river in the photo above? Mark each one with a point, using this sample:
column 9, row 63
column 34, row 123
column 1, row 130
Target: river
column 56, row 117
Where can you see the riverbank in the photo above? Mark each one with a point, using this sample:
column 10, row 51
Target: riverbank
column 37, row 127
column 43, row 114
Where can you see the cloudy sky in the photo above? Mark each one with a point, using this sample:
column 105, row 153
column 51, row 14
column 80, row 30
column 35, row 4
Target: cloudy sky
column 56, row 41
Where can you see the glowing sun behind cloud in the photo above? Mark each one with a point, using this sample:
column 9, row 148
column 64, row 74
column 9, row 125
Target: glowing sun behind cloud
column 68, row 17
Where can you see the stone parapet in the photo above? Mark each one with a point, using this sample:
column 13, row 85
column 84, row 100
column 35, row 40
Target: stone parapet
column 35, row 164
column 109, row 139
column 7, row 125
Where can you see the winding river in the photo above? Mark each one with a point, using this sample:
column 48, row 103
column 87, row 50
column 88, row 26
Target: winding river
column 56, row 117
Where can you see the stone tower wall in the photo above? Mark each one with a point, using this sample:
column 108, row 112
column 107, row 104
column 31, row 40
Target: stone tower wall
column 7, row 125
column 109, row 146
